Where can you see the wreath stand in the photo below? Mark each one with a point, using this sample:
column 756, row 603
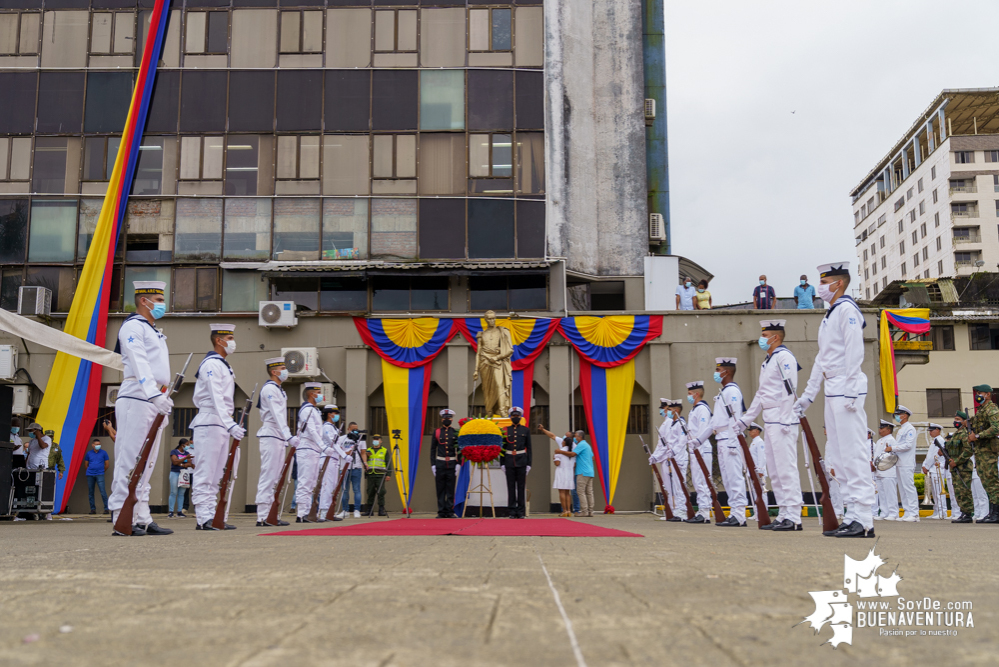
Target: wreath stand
column 482, row 488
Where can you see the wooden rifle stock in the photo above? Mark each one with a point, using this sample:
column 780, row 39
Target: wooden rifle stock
column 828, row 513
column 683, row 485
column 276, row 509
column 762, row 513
column 331, row 513
column 317, row 492
column 719, row 512
column 218, row 521
column 659, row 479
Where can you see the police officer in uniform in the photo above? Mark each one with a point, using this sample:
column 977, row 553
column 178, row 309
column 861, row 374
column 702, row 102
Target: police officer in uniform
column 273, row 435
column 444, row 464
column 146, row 362
column 983, row 433
column 516, row 463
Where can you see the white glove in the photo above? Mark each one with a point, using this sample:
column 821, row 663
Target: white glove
column 801, row 405
column 785, row 429
column 162, row 403
column 238, row 432
column 433, row 470
column 851, row 405
column 740, row 425
column 293, row 442
column 652, row 461
column 528, row 470
column 328, row 452
column 503, row 468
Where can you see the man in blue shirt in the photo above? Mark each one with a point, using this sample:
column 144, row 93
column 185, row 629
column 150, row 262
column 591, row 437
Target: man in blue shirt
column 685, row 295
column 584, row 474
column 96, row 461
column 764, row 297
column 804, row 294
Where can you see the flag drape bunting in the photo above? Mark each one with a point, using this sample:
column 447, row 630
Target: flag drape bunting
column 69, row 406
column 910, row 320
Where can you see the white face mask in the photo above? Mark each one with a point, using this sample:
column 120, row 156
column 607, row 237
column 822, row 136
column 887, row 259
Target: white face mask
column 825, row 293
column 230, row 347
column 283, row 375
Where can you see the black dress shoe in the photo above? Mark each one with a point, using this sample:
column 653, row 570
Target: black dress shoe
column 153, row 529
column 769, row 526
column 832, row 533
column 964, row 518
column 730, row 521
column 382, row 512
column 697, row 518
column 797, row 526
column 261, row 523
column 993, row 517
column 279, row 523
column 207, row 525
column 229, row 526
column 322, row 520
column 853, row 529
column 137, row 531
column 675, row 518
column 784, row 526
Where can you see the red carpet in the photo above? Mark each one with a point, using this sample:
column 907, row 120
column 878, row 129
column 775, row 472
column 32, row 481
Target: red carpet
column 474, row 527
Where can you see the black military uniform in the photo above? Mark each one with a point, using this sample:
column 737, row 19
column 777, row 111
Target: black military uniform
column 516, row 460
column 444, row 461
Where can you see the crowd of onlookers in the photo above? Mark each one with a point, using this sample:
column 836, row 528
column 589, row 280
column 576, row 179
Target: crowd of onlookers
column 689, row 297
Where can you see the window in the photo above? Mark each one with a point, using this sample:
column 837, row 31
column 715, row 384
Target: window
column 60, row 102
column 345, row 231
column 298, row 157
column 303, row 291
column 247, row 230
column 900, row 203
column 112, row 33
column 149, row 167
column 884, row 262
column 922, row 230
column 490, row 156
column 201, row 158
column 934, row 195
column 922, row 207
column 345, row 164
column 50, row 170
column 442, row 164
column 442, row 37
column 528, row 292
column 882, row 242
column 867, row 293
column 919, row 185
column 962, row 258
column 872, row 249
column 940, row 268
column 909, row 194
column 207, row 32
column 296, row 229
column 442, row 100
column 995, row 183
column 199, row 230
column 912, row 215
column 393, row 228
column 133, row 273
column 874, row 268
column 394, row 95
column 903, row 268
column 936, row 219
column 99, row 154
column 933, row 172
column 254, row 42
column 964, row 157
column 195, row 290
column 490, row 30
column 242, row 291
column 865, row 254
column 53, row 231
column 299, row 100
column 343, row 294
column 302, row 31
column 942, row 337
column 939, row 243
column 901, row 226
column 203, row 101
column 984, row 336
column 882, row 219
column 942, row 402
column 490, row 100
column 901, row 248
column 964, row 210
column 915, row 260
column 867, row 274
column 490, row 228
column 13, row 231
column 915, row 237
column 251, row 101
column 530, row 175
column 348, row 101
column 442, row 228
column 395, row 31
column 15, row 158
column 59, row 279
column 884, row 282
column 242, row 164
column 926, row 273
column 393, row 157
column 19, row 34
column 397, row 293
column 148, row 229
column 17, row 104
column 926, row 255
column 992, row 156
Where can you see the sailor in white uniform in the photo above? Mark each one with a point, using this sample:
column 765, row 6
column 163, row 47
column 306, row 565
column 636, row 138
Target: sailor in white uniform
column 905, row 469
column 214, row 390
column 887, row 485
column 937, row 473
column 672, row 445
column 141, row 397
column 273, row 435
column 333, row 441
column 758, row 450
column 731, row 462
column 699, row 429
column 838, row 365
column 310, row 450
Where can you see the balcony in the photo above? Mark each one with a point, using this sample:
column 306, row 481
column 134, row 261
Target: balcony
column 963, row 189
column 969, row 238
column 961, row 215
column 913, row 345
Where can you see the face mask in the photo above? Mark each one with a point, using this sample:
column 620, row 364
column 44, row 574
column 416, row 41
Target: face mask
column 446, row 422
column 671, row 414
column 283, row 375
column 97, row 448
column 690, row 399
column 320, row 398
column 336, row 418
column 898, row 419
column 230, row 347
column 825, row 293
column 700, row 290
column 763, row 282
column 515, row 420
column 687, row 284
column 158, row 310
column 718, row 377
column 662, row 413
column 803, row 282
column 764, row 343
column 376, row 443
column 14, row 430
column 957, row 424
column 979, row 398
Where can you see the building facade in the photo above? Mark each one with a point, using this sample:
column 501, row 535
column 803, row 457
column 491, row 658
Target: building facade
column 929, row 208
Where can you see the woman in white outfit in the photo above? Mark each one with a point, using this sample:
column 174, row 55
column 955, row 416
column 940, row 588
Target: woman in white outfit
column 565, row 470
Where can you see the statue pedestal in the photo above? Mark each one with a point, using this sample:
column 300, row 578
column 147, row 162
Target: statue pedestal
column 501, row 422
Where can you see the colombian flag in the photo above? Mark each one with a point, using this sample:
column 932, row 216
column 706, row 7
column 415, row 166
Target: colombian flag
column 910, row 320
column 69, row 407
column 407, row 349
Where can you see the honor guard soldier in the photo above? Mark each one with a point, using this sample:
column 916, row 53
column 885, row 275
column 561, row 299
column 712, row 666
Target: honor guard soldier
column 699, row 428
column 983, row 433
column 516, row 463
column 672, row 445
column 444, row 464
column 774, row 398
column 838, row 366
column 935, row 469
column 758, row 450
column 962, row 467
column 730, row 459
column 273, row 435
column 214, row 389
column 886, row 481
column 905, row 448
column 141, row 397
column 334, row 441
column 310, row 450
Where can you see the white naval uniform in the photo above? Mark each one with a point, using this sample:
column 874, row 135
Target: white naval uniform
column 938, row 478
column 146, row 362
column 213, row 396
column 273, row 436
column 731, row 461
column 905, row 469
column 672, row 445
column 308, row 456
column 780, row 425
column 333, row 441
column 978, row 495
column 841, row 354
column 699, row 426
column 887, row 482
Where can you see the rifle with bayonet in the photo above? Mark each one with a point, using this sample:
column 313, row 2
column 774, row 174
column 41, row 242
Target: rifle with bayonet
column 313, row 515
column 719, row 512
column 228, row 473
column 277, row 506
column 659, row 478
column 331, row 513
column 762, row 513
column 682, row 482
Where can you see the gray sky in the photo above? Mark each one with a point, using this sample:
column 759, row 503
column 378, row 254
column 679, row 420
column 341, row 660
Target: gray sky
column 756, row 189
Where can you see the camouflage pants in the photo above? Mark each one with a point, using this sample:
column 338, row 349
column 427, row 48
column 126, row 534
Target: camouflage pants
column 986, row 460
column 962, row 488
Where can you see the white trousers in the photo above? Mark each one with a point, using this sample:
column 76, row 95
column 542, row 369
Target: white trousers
column 701, row 485
column 888, row 497
column 876, row 506
column 675, row 487
column 978, row 495
column 330, row 479
column 134, row 419
column 907, row 491
column 731, row 464
column 937, row 486
column 309, row 462
column 847, row 446
column 211, row 449
column 272, row 453
column 782, row 464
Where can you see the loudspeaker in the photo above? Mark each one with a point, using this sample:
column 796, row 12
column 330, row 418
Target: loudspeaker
column 6, row 408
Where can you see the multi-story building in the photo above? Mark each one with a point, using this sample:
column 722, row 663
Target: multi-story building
column 921, row 211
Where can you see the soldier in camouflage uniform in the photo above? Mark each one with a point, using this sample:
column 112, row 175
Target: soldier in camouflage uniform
column 961, row 451
column 984, row 433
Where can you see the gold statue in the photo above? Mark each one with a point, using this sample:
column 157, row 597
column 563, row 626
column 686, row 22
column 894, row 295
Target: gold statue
column 493, row 365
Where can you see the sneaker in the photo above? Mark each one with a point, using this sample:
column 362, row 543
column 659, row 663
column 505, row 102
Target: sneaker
column 93, row 511
column 339, row 516
column 169, row 516
column 357, row 514
column 181, row 515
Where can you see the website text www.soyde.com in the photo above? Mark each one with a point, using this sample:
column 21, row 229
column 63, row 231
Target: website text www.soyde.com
column 926, row 612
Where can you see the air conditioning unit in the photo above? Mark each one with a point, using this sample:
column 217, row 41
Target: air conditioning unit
column 8, row 362
column 34, row 301
column 277, row 314
column 328, row 394
column 24, row 402
column 112, row 395
column 650, row 111
column 657, row 227
column 301, row 362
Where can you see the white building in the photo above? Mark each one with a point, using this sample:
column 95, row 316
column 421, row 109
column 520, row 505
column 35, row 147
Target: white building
column 930, row 207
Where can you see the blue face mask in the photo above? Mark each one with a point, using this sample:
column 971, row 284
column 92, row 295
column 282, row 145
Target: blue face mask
column 662, row 413
column 764, row 343
column 690, row 398
column 763, row 282
column 718, row 377
column 671, row 414
column 898, row 419
column 158, row 311
column 336, row 418
column 804, row 282
column 14, row 430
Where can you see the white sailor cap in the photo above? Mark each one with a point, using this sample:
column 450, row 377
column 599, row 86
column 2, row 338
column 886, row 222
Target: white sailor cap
column 772, row 325
column 223, row 329
column 515, row 410
column 696, row 384
column 756, row 426
column 886, row 424
column 934, row 427
column 834, row 269
column 313, row 385
column 674, row 403
column 447, row 413
column 664, row 402
column 870, row 432
column 274, row 361
column 149, row 286
column 728, row 362
column 331, row 408
column 904, row 409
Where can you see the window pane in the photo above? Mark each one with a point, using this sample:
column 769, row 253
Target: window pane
column 385, row 30
column 407, row 30
column 164, row 102
column 197, row 25
column 124, row 32
column 64, row 36
column 442, row 100
column 149, row 167
column 9, row 287
column 490, row 228
column 49, row 174
column 211, row 167
column 530, row 228
column 140, row 273
column 442, row 228
column 501, row 30
column 530, row 100
column 345, row 229
column 60, row 102
column 59, row 279
column 345, row 165
column 13, row 230
column 393, row 228
column 442, row 164
column 308, row 157
column 184, row 285
column 291, row 26
column 389, row 293
column 199, row 230
column 17, row 103
column 487, row 293
column 382, row 155
column 247, row 229
column 90, row 211
column 478, row 154
column 405, row 156
column 429, row 293
column 348, row 36
column 490, row 100
column 478, row 29
column 53, row 231
column 94, row 158
column 393, row 99
column 108, row 97
column 149, row 230
column 442, row 32
column 299, row 100
column 287, row 157
column 207, row 290
column 251, row 101
column 203, row 102
column 340, row 294
column 190, row 158
column 242, row 291
column 218, row 32
column 296, row 229
column 528, row 293
column 30, row 23
column 254, row 38
column 303, row 291
column 312, row 32
column 348, row 100
column 241, row 168
column 502, row 155
column 530, row 162
column 8, row 34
